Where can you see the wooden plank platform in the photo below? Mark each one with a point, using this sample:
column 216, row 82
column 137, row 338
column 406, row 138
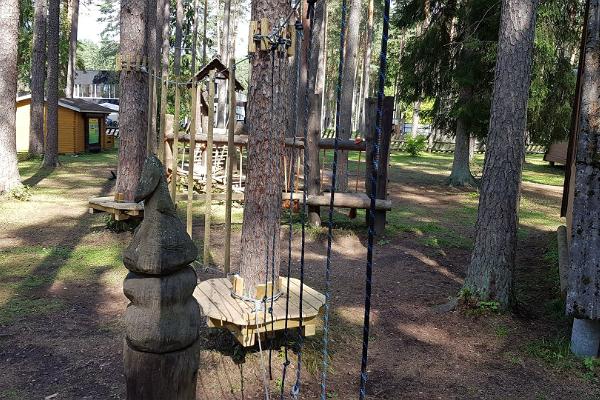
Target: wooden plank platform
column 239, row 317
column 119, row 210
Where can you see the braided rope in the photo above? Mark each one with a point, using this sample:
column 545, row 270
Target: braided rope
column 286, row 362
column 372, row 194
column 310, row 16
column 331, row 202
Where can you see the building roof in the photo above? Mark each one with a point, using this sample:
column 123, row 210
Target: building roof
column 222, row 70
column 78, row 105
column 91, row 77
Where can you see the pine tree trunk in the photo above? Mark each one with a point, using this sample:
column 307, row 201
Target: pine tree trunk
column 177, row 73
column 204, row 23
column 461, row 171
column 74, row 11
column 300, row 86
column 133, row 120
column 366, row 78
column 315, row 111
column 9, row 26
column 38, row 80
column 222, row 87
column 583, row 299
column 163, row 18
column 346, row 106
column 490, row 274
column 262, row 208
column 414, row 131
column 153, row 64
column 51, row 150
column 320, row 83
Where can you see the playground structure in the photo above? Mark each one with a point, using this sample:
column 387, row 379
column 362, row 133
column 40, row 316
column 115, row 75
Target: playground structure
column 280, row 304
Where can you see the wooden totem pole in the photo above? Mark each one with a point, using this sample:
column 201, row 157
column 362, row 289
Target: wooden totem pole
column 160, row 353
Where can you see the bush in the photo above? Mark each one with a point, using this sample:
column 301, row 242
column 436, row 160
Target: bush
column 20, row 192
column 415, row 145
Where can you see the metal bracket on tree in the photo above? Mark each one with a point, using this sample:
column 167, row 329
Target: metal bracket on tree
column 264, row 38
column 131, row 62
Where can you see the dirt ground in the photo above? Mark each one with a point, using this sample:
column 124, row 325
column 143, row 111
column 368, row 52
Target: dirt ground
column 63, row 338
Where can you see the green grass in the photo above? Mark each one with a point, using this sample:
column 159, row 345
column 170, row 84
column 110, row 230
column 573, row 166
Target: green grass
column 555, row 352
column 22, row 307
column 11, row 394
column 27, row 272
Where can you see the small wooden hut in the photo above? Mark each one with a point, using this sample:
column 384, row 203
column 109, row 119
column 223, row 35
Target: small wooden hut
column 81, row 126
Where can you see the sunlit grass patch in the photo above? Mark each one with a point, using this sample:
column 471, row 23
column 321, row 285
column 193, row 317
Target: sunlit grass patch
column 20, row 307
column 28, row 267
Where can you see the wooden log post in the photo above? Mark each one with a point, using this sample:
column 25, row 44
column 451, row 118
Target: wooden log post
column 168, row 150
column 190, row 203
column 384, row 153
column 209, row 161
column 583, row 294
column 162, row 318
column 175, row 143
column 313, row 174
column 230, row 156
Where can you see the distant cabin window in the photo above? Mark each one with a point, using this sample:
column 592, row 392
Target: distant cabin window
column 94, row 131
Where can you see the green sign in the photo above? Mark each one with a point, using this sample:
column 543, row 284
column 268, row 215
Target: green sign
column 93, row 131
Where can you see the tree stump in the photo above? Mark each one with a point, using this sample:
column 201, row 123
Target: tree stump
column 162, row 318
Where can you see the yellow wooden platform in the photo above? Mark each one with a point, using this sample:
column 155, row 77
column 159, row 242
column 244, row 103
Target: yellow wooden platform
column 119, row 210
column 223, row 310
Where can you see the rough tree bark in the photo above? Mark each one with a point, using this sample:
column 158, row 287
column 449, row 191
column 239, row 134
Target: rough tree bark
column 315, row 106
column 153, row 64
column 346, row 106
column 74, row 14
column 490, row 274
column 583, row 300
column 133, row 121
column 38, row 79
column 51, row 148
column 9, row 26
column 163, row 19
column 366, row 71
column 461, row 171
column 177, row 73
column 262, row 206
column 322, row 67
column 225, row 54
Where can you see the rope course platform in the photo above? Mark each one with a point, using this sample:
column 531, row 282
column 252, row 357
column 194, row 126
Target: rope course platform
column 245, row 321
column 118, row 209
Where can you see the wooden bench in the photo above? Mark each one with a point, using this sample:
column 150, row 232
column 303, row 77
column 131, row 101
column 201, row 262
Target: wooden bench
column 119, row 210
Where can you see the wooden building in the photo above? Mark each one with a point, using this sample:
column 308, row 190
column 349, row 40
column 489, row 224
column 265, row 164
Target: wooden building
column 81, row 126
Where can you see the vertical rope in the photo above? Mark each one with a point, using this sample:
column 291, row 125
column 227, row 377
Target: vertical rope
column 372, row 195
column 299, row 38
column 331, row 202
column 286, row 361
column 273, row 233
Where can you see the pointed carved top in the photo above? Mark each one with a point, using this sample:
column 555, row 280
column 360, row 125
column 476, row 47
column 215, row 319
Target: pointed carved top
column 161, row 244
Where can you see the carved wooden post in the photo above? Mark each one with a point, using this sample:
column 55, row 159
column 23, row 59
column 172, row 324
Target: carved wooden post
column 162, row 318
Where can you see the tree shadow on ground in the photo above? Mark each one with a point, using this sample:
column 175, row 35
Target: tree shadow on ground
column 40, row 175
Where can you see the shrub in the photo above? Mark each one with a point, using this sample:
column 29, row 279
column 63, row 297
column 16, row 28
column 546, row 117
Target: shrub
column 415, row 145
column 20, row 192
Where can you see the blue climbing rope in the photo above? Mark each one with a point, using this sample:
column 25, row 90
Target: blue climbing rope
column 310, row 15
column 331, row 202
column 374, row 170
